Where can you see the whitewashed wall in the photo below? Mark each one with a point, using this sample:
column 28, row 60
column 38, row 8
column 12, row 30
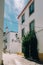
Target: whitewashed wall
column 13, row 46
column 1, row 26
column 39, row 23
column 38, row 17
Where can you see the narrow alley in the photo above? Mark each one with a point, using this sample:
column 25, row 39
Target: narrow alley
column 14, row 59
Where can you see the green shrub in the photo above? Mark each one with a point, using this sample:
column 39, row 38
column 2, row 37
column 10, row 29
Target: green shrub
column 29, row 45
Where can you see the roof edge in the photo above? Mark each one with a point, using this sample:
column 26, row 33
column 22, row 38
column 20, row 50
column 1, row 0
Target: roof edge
column 24, row 9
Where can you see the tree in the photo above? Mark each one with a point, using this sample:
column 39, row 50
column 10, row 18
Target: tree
column 29, row 45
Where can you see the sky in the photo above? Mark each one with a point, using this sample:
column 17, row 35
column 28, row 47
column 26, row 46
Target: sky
column 11, row 11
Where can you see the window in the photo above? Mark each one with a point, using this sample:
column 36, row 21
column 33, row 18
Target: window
column 22, row 32
column 5, row 40
column 31, row 8
column 16, row 35
column 23, row 18
column 32, row 26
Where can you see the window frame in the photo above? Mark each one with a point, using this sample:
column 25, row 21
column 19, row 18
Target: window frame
column 32, row 22
column 23, row 30
column 23, row 18
column 30, row 7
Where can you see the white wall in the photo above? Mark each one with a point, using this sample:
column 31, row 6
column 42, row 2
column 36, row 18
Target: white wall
column 38, row 17
column 1, row 26
column 28, row 19
column 8, row 40
column 40, row 41
column 39, row 23
column 13, row 46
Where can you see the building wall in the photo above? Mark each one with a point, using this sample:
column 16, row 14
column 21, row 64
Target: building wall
column 38, row 17
column 26, row 23
column 39, row 25
column 13, row 45
column 40, row 43
column 8, row 40
column 1, row 27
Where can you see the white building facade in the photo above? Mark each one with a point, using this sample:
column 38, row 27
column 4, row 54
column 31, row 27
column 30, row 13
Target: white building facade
column 13, row 44
column 1, row 27
column 31, row 18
